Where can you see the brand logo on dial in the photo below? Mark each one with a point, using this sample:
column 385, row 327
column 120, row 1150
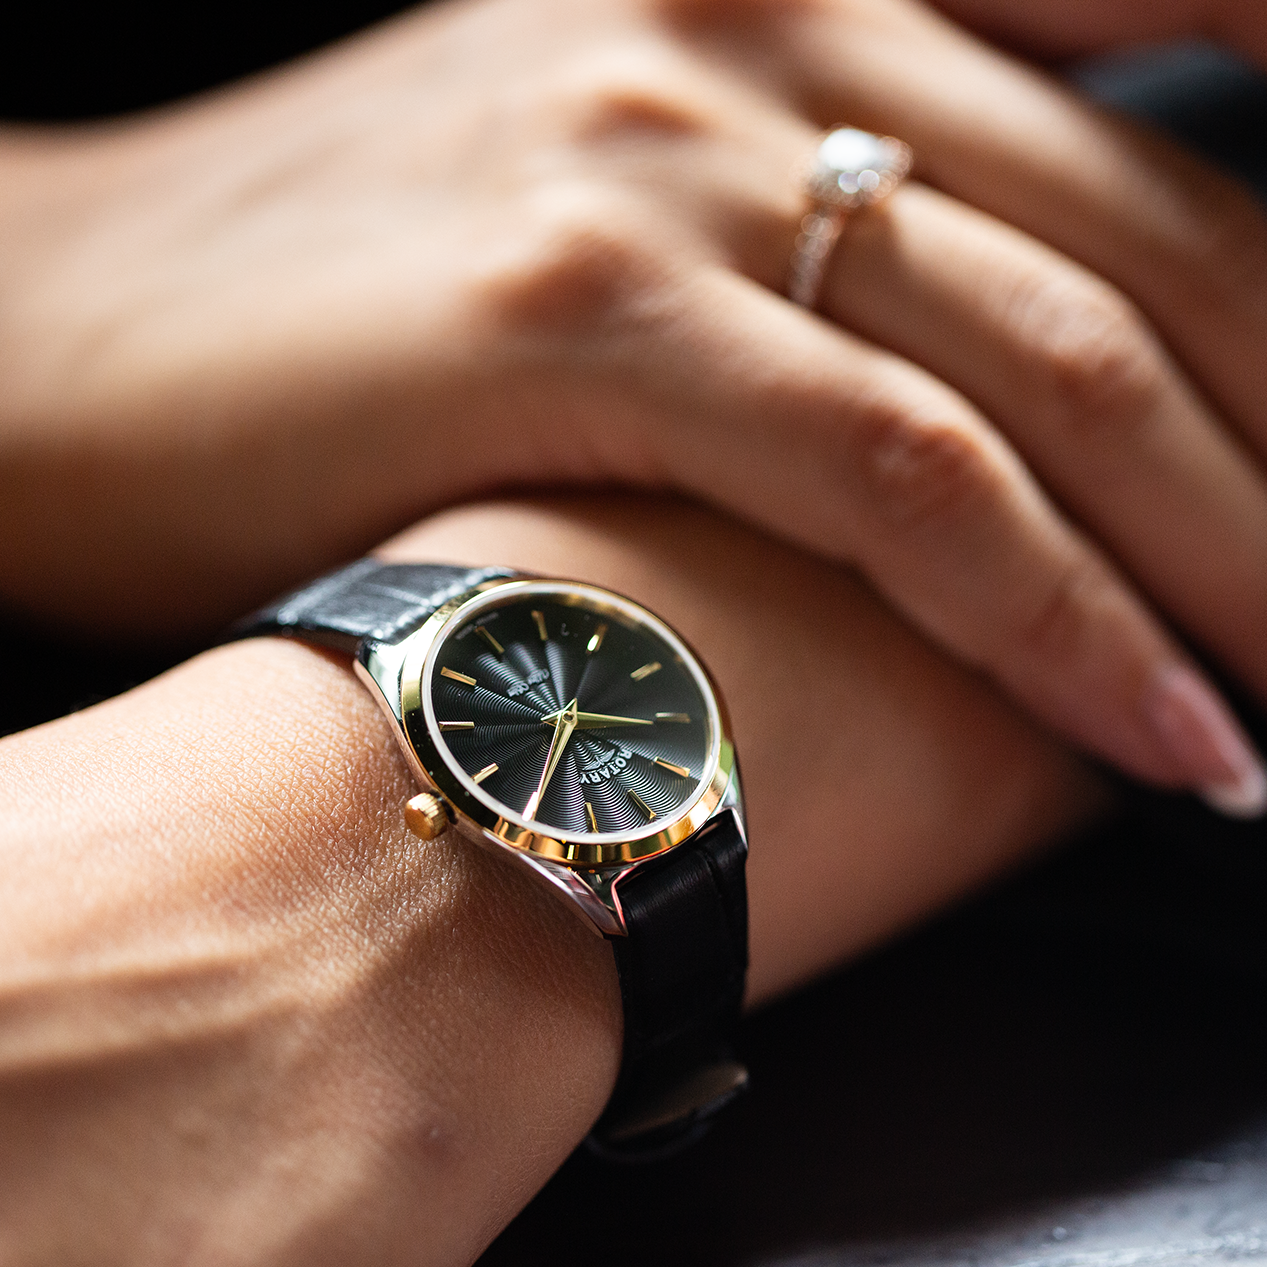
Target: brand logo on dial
column 605, row 768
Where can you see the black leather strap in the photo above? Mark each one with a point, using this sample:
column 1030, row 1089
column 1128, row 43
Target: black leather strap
column 682, row 968
column 683, row 963
column 366, row 599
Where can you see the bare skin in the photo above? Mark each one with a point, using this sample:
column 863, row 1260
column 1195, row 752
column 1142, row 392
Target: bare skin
column 245, row 1018
column 512, row 242
column 1088, row 26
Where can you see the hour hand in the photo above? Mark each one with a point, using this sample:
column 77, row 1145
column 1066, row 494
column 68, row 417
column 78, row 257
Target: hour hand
column 593, row 721
column 564, row 723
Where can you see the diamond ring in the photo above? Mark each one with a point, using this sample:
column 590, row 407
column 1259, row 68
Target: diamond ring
column 850, row 169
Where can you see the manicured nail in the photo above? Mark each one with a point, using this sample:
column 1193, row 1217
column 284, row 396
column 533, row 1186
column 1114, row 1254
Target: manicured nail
column 1204, row 738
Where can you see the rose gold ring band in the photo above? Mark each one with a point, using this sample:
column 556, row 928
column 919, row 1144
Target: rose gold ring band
column 850, row 169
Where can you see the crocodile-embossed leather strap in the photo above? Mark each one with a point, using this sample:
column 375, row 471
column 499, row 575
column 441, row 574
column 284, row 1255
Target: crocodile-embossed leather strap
column 682, row 969
column 683, row 962
column 366, row 599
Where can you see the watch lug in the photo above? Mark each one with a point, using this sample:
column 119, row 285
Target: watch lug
column 732, row 803
column 379, row 666
column 590, row 894
column 594, row 894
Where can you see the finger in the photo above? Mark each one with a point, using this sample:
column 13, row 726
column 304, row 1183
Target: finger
column 1188, row 245
column 1066, row 367
column 866, row 458
column 1087, row 26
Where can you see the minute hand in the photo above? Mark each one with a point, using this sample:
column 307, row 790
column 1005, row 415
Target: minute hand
column 592, row 721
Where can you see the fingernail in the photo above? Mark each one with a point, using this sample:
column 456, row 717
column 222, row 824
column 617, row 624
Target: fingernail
column 1203, row 736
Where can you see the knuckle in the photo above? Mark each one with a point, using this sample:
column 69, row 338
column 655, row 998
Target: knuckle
column 1054, row 625
column 638, row 105
column 630, row 91
column 1097, row 361
column 573, row 262
column 923, row 471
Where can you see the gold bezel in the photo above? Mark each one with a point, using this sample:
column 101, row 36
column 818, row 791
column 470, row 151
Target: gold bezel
column 476, row 810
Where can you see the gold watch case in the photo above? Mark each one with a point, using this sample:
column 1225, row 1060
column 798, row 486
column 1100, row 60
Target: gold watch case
column 584, row 866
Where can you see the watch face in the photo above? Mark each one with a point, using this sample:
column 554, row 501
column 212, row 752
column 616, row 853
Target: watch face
column 572, row 711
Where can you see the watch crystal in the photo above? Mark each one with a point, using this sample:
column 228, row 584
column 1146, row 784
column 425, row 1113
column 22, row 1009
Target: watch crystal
column 571, row 714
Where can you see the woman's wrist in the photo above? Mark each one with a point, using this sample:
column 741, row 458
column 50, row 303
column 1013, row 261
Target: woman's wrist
column 251, row 997
column 265, row 1003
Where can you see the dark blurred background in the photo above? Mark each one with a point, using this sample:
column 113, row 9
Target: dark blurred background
column 1070, row 1070
column 65, row 60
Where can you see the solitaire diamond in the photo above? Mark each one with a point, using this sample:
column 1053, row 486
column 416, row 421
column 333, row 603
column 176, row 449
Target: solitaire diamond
column 850, row 169
column 853, row 168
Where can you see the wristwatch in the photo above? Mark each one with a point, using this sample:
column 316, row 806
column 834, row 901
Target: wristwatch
column 573, row 732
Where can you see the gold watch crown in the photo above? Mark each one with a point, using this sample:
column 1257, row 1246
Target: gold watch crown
column 427, row 815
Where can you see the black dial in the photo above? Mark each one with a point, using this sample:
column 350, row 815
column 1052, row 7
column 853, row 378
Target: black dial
column 571, row 712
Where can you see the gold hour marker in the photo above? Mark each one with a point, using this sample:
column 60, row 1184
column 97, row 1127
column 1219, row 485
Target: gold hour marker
column 641, row 804
column 646, row 671
column 479, row 777
column 571, row 851
column 540, row 620
column 457, row 677
column 596, row 639
column 675, row 769
column 457, row 725
column 589, row 813
column 488, row 638
column 684, row 718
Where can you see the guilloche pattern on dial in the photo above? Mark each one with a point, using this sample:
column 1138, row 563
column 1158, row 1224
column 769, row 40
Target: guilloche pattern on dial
column 503, row 684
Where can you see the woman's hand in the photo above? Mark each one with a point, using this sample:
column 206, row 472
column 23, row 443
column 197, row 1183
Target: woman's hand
column 244, row 1016
column 523, row 241
column 1088, row 26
